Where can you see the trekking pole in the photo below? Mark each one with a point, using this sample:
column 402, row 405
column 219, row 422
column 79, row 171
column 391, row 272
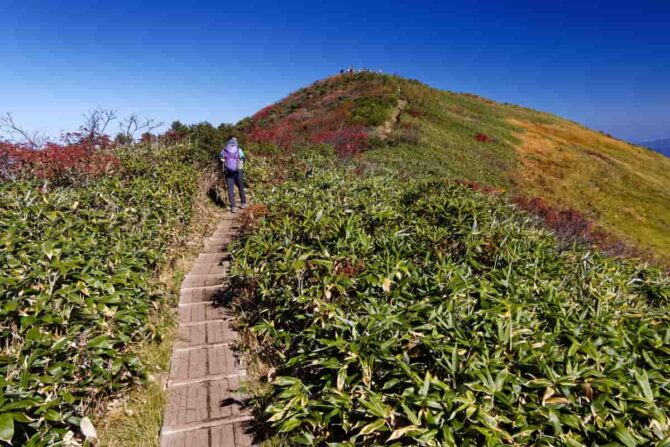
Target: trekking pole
column 222, row 175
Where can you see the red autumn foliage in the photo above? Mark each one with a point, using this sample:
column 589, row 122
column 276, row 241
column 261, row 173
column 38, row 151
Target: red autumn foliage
column 572, row 226
column 482, row 137
column 347, row 142
column 172, row 136
column 88, row 141
column 252, row 215
column 283, row 135
column 332, row 120
column 333, row 96
column 348, row 269
column 415, row 113
column 479, row 187
column 63, row 164
column 568, row 224
column 148, row 137
column 263, row 113
column 321, row 114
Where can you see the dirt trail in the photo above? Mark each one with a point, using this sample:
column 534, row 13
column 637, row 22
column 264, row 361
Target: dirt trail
column 385, row 129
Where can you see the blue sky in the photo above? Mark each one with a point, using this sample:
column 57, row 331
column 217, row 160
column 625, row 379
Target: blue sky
column 604, row 64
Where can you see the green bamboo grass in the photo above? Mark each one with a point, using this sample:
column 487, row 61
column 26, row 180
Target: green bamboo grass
column 430, row 314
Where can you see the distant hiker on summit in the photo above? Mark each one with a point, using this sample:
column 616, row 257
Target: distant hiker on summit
column 233, row 163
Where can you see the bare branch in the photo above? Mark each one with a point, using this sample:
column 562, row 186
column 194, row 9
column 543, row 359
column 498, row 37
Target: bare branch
column 128, row 126
column 18, row 134
column 133, row 124
column 151, row 124
column 96, row 122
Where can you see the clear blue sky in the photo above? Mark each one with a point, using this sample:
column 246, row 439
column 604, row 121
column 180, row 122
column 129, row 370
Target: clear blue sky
column 603, row 63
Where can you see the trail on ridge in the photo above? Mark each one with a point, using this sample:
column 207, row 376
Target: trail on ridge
column 385, row 129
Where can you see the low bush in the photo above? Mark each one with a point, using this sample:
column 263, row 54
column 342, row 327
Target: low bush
column 572, row 227
column 372, row 111
column 432, row 314
column 62, row 165
column 347, row 141
column 77, row 287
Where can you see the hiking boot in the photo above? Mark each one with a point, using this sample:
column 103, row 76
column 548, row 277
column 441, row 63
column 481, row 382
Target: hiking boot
column 243, row 205
column 232, row 209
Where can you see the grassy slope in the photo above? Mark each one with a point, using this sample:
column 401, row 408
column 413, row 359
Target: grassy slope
column 623, row 187
column 424, row 313
column 627, row 188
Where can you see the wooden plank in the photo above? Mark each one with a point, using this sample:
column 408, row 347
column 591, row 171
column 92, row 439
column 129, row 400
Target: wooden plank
column 222, row 361
column 197, row 363
column 211, row 258
column 224, row 399
column 191, row 335
column 197, row 404
column 174, row 440
column 219, row 331
column 240, row 373
column 179, row 366
column 215, row 312
column 197, row 281
column 208, row 269
column 199, row 295
column 223, row 435
column 176, row 409
column 205, row 407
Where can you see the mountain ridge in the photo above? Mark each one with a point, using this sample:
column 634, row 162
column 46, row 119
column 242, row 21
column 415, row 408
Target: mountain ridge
column 662, row 145
column 622, row 187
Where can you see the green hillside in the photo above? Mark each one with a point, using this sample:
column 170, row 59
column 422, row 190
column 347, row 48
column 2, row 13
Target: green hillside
column 390, row 290
column 439, row 134
column 417, row 267
column 426, row 313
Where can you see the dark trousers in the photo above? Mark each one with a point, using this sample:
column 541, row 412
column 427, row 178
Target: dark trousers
column 235, row 178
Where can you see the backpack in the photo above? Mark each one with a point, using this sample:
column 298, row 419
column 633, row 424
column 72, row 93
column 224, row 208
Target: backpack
column 231, row 160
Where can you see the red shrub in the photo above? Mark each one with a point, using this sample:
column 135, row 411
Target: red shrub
column 263, row 113
column 568, row 224
column 299, row 116
column 172, row 136
column 329, row 120
column 415, row 113
column 347, row 141
column 479, row 187
column 282, row 134
column 333, row 96
column 89, row 141
column 482, row 137
column 252, row 215
column 148, row 137
column 58, row 163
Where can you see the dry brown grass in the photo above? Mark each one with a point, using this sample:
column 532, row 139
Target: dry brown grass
column 624, row 187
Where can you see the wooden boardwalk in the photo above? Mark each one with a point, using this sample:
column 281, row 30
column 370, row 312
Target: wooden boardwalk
column 205, row 408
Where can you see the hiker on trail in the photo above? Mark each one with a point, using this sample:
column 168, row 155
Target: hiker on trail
column 233, row 162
